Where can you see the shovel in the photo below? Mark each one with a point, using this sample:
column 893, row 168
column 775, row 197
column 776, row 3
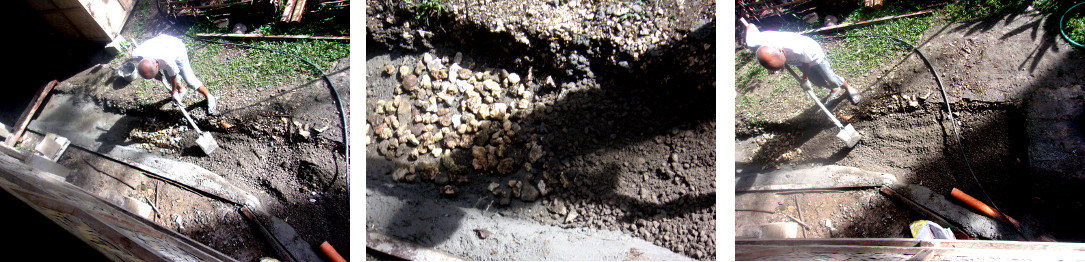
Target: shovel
column 206, row 142
column 847, row 133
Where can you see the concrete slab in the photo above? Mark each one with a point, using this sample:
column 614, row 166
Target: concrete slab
column 447, row 225
column 90, row 127
column 976, row 223
column 813, row 178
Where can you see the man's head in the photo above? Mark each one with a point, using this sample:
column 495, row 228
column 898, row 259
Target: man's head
column 772, row 58
column 148, row 68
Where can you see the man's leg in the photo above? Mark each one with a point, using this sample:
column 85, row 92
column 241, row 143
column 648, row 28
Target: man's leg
column 212, row 105
column 835, row 80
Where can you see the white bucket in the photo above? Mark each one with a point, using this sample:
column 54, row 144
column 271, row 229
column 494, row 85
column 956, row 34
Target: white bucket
column 127, row 71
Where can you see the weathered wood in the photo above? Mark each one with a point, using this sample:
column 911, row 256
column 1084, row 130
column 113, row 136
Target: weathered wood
column 24, row 119
column 299, row 10
column 846, row 25
column 288, row 10
column 257, row 36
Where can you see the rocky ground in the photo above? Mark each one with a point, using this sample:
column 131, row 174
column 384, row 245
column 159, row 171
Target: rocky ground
column 1016, row 105
column 281, row 143
column 604, row 121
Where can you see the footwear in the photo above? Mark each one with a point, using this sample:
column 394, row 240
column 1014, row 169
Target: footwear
column 853, row 94
column 833, row 95
column 212, row 106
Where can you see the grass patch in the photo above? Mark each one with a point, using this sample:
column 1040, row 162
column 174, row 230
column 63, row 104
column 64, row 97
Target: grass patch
column 426, row 9
column 971, row 10
column 857, row 56
column 236, row 67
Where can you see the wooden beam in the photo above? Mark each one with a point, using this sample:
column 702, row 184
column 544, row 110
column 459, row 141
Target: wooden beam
column 299, row 9
column 287, row 11
column 24, row 120
column 845, row 25
column 257, row 36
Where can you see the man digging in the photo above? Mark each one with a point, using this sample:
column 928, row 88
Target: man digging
column 777, row 49
column 166, row 56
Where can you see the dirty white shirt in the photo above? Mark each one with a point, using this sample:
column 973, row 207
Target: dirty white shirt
column 804, row 50
column 174, row 52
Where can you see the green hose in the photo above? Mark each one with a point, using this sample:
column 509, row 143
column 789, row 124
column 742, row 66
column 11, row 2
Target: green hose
column 1062, row 25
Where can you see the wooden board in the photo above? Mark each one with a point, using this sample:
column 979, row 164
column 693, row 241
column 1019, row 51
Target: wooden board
column 32, row 108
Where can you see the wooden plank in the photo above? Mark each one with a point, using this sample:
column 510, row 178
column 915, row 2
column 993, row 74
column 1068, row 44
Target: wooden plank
column 258, row 36
column 299, row 9
column 288, row 10
column 759, row 252
column 900, row 242
column 24, row 119
column 846, row 25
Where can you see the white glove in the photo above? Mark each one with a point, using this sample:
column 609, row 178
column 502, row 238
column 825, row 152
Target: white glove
column 806, row 84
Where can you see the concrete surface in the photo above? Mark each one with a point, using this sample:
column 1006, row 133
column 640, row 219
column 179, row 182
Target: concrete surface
column 969, row 220
column 449, row 225
column 830, row 176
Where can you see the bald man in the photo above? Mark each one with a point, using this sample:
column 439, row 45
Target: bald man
column 166, row 57
column 777, row 49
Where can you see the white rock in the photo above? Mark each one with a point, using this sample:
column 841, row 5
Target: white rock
column 499, row 111
column 427, row 58
column 514, row 78
column 426, row 83
column 453, row 72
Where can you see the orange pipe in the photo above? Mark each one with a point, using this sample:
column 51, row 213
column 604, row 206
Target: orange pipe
column 981, row 207
column 331, row 253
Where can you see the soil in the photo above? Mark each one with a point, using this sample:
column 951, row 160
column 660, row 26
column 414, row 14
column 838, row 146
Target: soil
column 284, row 146
column 606, row 128
column 1009, row 84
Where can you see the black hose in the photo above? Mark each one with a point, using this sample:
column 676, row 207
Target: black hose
column 335, row 94
column 335, row 91
column 953, row 121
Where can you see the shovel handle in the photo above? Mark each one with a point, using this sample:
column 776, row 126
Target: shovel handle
column 815, row 98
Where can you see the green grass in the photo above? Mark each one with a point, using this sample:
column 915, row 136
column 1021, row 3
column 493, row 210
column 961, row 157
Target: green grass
column 1075, row 28
column 971, row 10
column 426, row 9
column 857, row 56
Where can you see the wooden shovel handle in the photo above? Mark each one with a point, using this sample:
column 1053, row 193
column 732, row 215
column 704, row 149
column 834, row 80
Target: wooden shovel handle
column 981, row 207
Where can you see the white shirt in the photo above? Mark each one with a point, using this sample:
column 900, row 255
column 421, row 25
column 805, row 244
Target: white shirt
column 803, row 49
column 165, row 47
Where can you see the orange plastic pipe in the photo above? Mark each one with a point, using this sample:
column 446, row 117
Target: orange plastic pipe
column 981, row 207
column 331, row 253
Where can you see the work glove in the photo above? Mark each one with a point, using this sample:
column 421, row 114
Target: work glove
column 806, row 84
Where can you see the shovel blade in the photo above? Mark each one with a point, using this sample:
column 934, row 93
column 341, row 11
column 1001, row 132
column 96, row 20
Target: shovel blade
column 207, row 143
column 849, row 135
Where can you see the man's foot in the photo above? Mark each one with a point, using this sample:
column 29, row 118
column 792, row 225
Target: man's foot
column 853, row 94
column 212, row 106
column 833, row 95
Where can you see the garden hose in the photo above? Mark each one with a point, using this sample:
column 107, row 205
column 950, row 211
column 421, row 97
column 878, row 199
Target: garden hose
column 1062, row 25
column 335, row 94
column 953, row 121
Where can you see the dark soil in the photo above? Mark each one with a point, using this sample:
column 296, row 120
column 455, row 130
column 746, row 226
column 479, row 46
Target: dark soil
column 620, row 128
